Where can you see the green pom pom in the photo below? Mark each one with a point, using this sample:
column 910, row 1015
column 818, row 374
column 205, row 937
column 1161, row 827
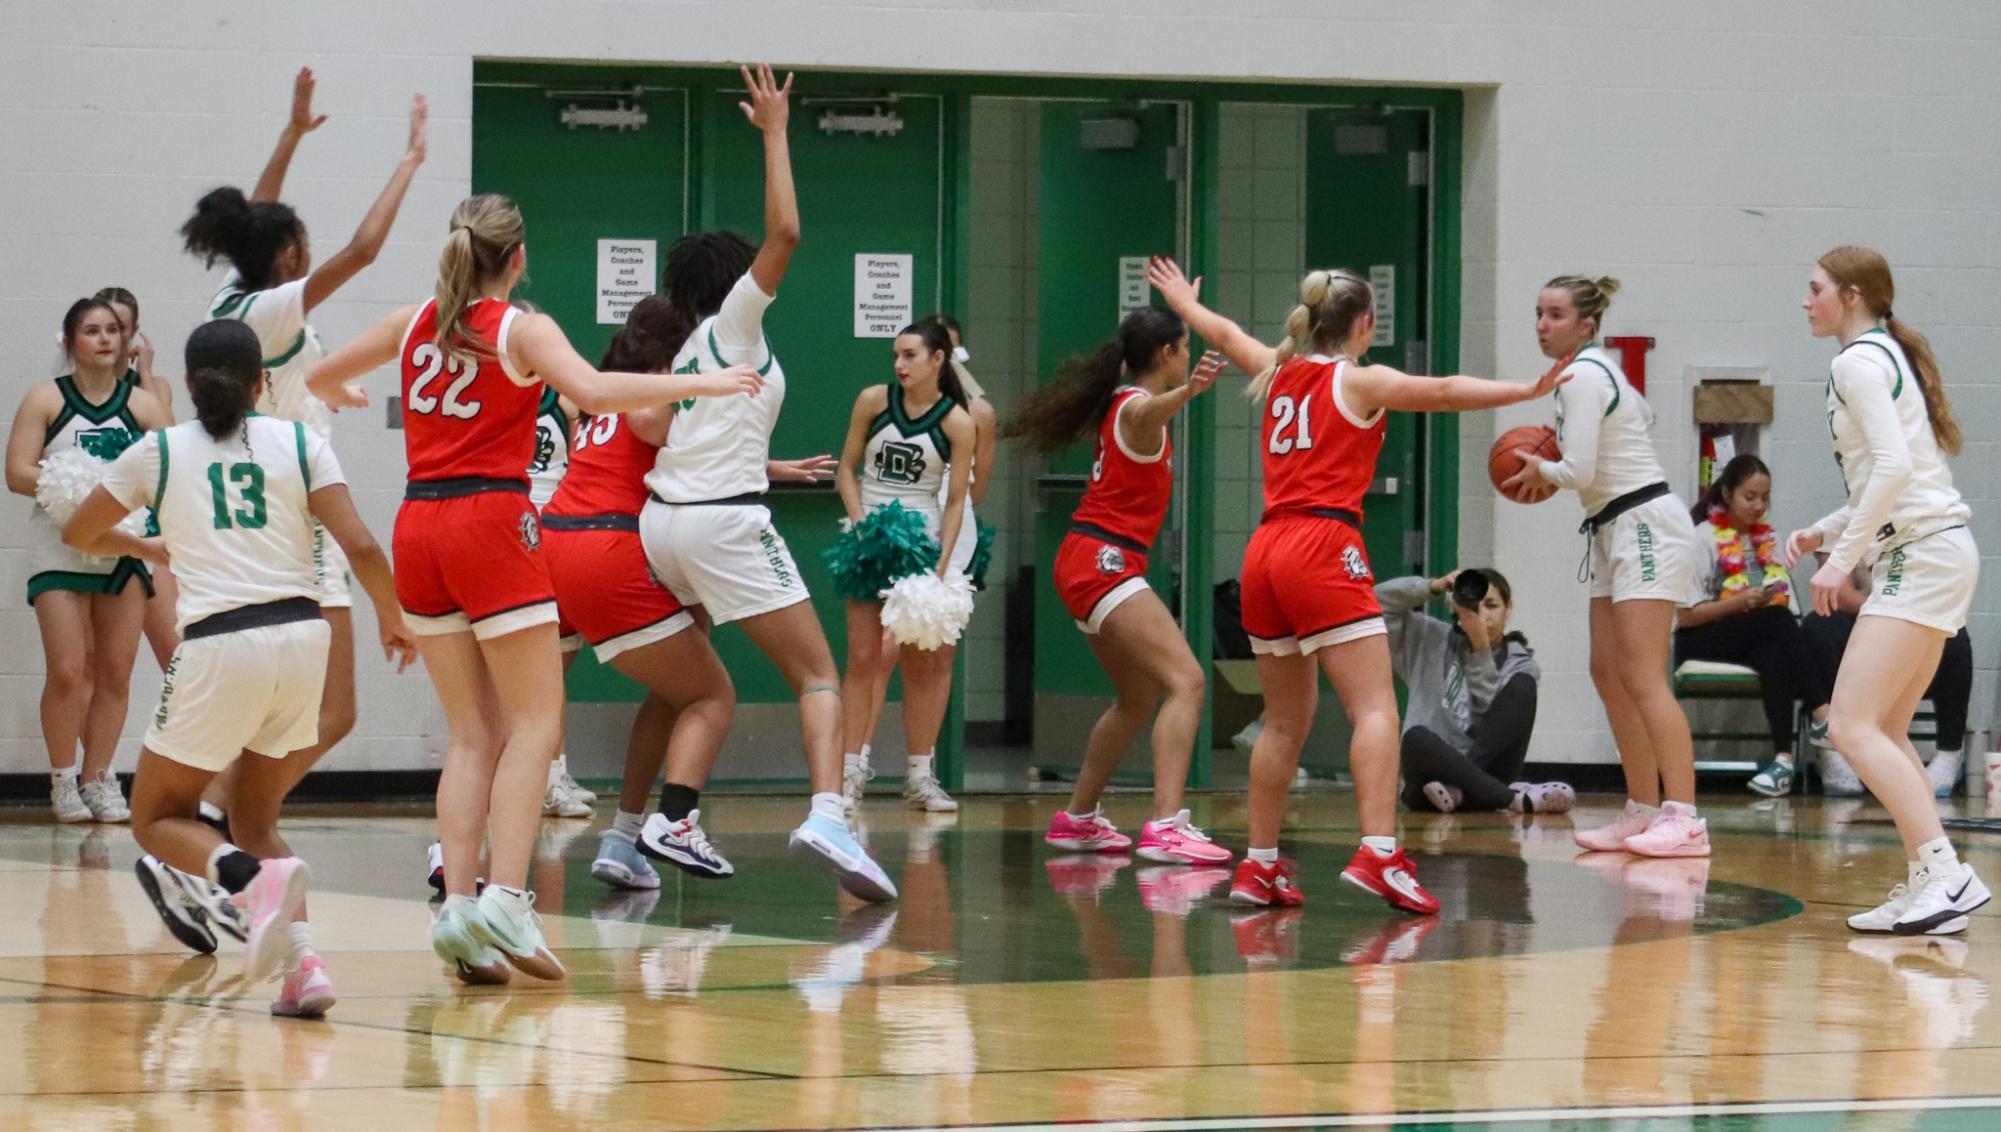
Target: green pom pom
column 983, row 554
column 889, row 543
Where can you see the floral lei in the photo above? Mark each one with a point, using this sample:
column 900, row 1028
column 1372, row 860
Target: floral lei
column 1732, row 563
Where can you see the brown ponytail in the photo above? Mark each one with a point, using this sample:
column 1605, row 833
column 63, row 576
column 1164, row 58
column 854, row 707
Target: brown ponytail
column 485, row 231
column 1070, row 408
column 1868, row 272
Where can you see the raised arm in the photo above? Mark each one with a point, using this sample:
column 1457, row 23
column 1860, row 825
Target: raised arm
column 1184, row 298
column 368, row 239
column 1142, row 419
column 329, row 379
column 847, row 474
column 537, row 346
column 271, row 182
column 769, row 110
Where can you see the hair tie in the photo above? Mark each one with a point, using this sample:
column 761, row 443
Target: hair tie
column 1889, row 316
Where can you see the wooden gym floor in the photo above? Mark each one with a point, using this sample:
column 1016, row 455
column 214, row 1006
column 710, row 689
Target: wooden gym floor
column 1013, row 985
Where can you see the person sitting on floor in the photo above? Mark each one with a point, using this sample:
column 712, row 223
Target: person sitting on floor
column 1472, row 696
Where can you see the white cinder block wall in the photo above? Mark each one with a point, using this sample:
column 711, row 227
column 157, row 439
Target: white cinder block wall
column 1705, row 152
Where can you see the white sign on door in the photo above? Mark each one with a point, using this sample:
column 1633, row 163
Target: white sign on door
column 882, row 294
column 1132, row 284
column 1383, row 279
column 625, row 276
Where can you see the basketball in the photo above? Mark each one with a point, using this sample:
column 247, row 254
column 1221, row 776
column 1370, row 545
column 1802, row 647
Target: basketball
column 1502, row 461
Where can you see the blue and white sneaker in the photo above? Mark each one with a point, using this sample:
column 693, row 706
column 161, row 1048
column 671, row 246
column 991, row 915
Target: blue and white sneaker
column 683, row 845
column 620, row 864
column 834, row 844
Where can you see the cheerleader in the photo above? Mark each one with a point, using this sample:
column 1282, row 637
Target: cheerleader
column 470, row 576
column 1126, row 394
column 855, row 769
column 902, row 440
column 237, row 497
column 1641, row 561
column 89, row 609
column 272, row 287
column 1905, row 522
column 708, row 535
column 1310, row 603
column 138, row 351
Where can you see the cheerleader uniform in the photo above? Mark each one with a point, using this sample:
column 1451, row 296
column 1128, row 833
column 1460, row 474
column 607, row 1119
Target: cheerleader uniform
column 906, row 460
column 104, row 431
column 1102, row 560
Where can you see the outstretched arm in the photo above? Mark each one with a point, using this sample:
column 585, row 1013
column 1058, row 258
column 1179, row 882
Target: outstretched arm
column 1184, row 298
column 769, row 110
column 368, row 239
column 1370, row 388
column 1143, row 417
column 329, row 379
column 537, row 346
column 271, row 182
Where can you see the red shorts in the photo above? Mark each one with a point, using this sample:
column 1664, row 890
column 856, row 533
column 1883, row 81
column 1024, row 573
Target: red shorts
column 472, row 564
column 1094, row 577
column 605, row 589
column 1307, row 585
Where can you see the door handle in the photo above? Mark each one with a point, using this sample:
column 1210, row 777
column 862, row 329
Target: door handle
column 1385, row 486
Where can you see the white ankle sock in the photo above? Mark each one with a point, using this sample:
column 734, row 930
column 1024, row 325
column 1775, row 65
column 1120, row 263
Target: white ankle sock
column 920, row 765
column 1263, row 856
column 301, row 935
column 1383, row 846
column 830, row 806
column 628, row 823
column 1685, row 809
column 63, row 772
column 851, row 760
column 1938, row 855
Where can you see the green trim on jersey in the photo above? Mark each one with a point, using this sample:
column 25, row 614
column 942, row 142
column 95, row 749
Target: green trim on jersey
column 112, row 581
column 226, row 303
column 932, row 422
column 160, row 487
column 716, row 353
column 298, row 344
column 305, row 473
column 75, row 405
column 552, row 406
column 1863, row 339
column 1617, row 393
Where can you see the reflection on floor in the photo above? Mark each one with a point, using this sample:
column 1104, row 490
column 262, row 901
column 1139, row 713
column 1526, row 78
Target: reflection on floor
column 1016, row 985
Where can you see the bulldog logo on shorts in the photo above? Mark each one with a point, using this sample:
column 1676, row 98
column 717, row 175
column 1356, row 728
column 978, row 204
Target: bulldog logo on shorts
column 1351, row 559
column 531, row 531
column 1111, row 560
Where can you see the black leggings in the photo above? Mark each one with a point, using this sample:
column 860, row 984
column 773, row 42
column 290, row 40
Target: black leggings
column 1951, row 686
column 1500, row 746
column 1769, row 641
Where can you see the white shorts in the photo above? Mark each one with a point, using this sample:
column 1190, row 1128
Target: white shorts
column 1929, row 581
column 251, row 690
column 1116, row 596
column 1648, row 553
column 1307, row 646
column 726, row 556
column 331, row 569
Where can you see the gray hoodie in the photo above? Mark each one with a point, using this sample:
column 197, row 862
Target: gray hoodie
column 1451, row 683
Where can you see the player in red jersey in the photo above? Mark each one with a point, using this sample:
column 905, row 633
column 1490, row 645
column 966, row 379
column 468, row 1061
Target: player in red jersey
column 469, row 573
column 1125, row 394
column 606, row 591
column 1307, row 584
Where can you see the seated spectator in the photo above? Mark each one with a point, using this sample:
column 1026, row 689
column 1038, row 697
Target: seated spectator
column 1740, row 612
column 1951, row 688
column 1472, row 696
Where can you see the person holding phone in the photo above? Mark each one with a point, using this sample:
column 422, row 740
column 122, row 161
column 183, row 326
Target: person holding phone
column 1739, row 611
column 1472, row 689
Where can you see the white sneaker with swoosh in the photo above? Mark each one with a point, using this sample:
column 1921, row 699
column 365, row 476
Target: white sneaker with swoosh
column 1939, row 896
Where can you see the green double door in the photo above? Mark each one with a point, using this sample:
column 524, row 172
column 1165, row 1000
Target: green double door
column 1112, row 192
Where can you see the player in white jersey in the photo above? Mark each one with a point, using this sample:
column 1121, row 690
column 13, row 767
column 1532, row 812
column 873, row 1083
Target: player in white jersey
column 1642, row 558
column 88, row 609
column 707, row 533
column 906, row 442
column 160, row 635
column 966, row 559
column 273, row 286
column 1892, row 428
column 236, row 495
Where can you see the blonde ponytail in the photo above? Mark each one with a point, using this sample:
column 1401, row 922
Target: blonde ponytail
column 1329, row 304
column 1592, row 297
column 485, row 231
column 1868, row 272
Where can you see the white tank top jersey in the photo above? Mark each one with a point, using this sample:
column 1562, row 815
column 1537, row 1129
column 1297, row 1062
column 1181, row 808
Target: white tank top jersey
column 1876, row 415
column 552, row 449
column 1604, row 430
column 233, row 512
column 291, row 347
column 717, row 446
column 906, row 459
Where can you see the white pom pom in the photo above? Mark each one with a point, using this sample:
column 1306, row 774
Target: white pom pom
column 67, row 479
column 928, row 611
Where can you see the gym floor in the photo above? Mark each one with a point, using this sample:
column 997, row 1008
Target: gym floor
column 1013, row 985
